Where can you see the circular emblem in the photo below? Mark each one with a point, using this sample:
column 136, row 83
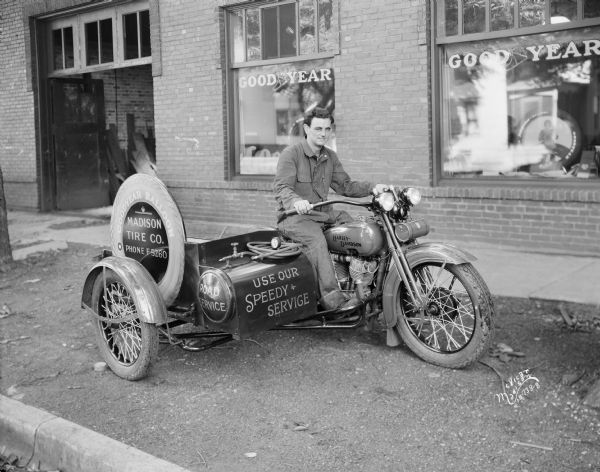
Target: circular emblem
column 146, row 225
column 214, row 294
column 145, row 239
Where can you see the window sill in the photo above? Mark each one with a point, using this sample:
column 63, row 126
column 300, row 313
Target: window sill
column 578, row 191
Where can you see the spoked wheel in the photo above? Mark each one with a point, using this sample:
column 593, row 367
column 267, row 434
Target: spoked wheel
column 455, row 326
column 128, row 345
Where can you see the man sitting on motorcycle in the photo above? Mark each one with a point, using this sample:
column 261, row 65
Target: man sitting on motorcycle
column 305, row 172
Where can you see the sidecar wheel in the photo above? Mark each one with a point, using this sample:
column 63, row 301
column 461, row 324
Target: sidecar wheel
column 456, row 327
column 128, row 347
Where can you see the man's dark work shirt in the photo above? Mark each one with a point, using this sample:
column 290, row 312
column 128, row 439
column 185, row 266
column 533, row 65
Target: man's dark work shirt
column 304, row 175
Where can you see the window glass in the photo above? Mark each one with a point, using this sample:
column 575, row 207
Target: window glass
column 145, row 33
column 68, row 47
column 106, row 41
column 92, row 52
column 562, row 11
column 57, row 49
column 328, row 26
column 253, row 34
column 591, row 9
column 449, row 17
column 308, row 40
column 236, row 26
column 502, row 14
column 130, row 36
column 473, row 16
column 287, row 30
column 269, row 33
column 532, row 12
column 271, row 103
column 523, row 106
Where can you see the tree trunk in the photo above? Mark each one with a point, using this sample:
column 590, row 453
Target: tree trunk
column 5, row 250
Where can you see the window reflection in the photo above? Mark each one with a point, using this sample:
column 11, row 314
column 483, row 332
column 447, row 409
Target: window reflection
column 524, row 106
column 473, row 16
column 532, row 12
column 562, row 11
column 502, row 14
column 591, row 9
column 271, row 104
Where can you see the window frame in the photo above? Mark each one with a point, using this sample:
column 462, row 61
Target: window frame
column 436, row 63
column 232, row 122
column 78, row 21
column 61, row 25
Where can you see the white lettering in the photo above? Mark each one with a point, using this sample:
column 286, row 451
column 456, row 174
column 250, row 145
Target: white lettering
column 325, row 74
column 470, row 59
column 571, row 50
column 553, row 51
column 592, row 45
column 454, row 61
column 535, row 50
column 291, row 76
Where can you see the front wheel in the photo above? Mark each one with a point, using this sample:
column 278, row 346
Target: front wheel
column 128, row 345
column 455, row 326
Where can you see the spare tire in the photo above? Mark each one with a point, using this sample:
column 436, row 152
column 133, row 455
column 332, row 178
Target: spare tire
column 146, row 226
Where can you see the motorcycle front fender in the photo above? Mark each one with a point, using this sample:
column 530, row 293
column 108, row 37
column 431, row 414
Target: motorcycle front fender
column 142, row 287
column 416, row 255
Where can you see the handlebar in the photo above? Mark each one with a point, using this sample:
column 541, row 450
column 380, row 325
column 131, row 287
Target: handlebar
column 284, row 214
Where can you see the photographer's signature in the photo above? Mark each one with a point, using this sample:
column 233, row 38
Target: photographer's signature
column 518, row 387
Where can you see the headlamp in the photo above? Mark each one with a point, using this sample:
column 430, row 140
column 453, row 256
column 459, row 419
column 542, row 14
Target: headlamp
column 386, row 200
column 413, row 195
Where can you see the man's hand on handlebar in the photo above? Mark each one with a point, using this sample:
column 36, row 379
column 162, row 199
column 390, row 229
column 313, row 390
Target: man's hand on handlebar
column 302, row 207
column 380, row 188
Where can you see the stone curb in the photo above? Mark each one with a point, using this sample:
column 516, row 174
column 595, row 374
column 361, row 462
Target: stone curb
column 49, row 442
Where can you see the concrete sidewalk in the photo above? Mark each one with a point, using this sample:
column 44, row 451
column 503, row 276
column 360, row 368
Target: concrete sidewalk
column 508, row 272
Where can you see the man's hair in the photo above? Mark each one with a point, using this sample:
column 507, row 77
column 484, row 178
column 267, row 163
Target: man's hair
column 317, row 112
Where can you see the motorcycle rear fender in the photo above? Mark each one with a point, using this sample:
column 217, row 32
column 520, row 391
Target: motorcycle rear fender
column 144, row 290
column 416, row 255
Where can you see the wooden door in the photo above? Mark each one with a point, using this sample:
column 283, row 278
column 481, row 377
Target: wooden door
column 77, row 116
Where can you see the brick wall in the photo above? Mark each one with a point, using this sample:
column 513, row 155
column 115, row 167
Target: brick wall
column 128, row 90
column 383, row 134
column 17, row 119
column 383, row 130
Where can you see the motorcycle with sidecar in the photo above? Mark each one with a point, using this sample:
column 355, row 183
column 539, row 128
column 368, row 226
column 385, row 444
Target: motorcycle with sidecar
column 157, row 285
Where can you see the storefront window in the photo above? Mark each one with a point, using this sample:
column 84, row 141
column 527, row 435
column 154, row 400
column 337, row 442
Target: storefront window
column 524, row 106
column 271, row 104
column 271, row 98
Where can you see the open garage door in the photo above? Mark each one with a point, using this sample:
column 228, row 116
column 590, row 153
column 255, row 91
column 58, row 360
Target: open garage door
column 77, row 132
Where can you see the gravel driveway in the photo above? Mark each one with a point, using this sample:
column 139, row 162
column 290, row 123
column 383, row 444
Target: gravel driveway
column 308, row 400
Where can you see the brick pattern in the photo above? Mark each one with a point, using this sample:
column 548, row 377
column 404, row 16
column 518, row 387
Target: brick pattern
column 383, row 130
column 17, row 133
column 128, row 90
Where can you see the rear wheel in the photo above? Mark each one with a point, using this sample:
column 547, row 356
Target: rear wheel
column 455, row 327
column 128, row 345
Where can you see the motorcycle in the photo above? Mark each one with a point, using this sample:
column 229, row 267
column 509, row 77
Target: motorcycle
column 426, row 294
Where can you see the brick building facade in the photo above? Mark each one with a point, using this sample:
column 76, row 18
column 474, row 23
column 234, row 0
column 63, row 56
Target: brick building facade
column 387, row 60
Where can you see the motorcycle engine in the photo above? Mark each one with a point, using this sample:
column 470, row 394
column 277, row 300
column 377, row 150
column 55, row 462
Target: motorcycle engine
column 357, row 270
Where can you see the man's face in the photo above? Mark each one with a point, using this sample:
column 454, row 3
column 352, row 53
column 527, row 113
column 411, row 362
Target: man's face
column 318, row 133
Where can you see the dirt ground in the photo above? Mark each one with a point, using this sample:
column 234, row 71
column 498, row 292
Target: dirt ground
column 309, row 400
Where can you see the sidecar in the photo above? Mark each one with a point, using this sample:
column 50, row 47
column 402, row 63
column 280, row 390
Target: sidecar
column 157, row 285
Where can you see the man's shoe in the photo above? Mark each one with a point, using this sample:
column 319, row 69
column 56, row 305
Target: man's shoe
column 350, row 304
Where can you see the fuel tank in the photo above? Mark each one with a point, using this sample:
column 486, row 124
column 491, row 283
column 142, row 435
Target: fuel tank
column 357, row 238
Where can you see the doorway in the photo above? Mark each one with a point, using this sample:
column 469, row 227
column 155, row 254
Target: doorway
column 77, row 125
